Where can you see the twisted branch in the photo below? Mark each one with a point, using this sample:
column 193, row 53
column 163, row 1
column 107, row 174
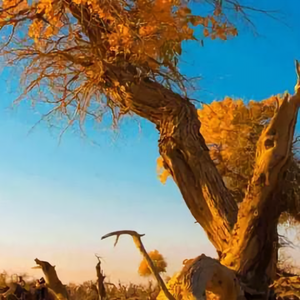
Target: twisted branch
column 255, row 233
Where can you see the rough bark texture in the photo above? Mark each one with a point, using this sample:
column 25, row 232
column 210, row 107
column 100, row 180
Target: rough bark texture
column 181, row 145
column 253, row 233
column 201, row 278
column 250, row 248
column 253, row 243
column 205, row 278
column 186, row 157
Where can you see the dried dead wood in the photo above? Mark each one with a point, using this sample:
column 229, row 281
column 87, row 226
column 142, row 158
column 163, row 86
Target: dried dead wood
column 100, row 280
column 52, row 280
column 138, row 243
column 201, row 278
column 253, row 249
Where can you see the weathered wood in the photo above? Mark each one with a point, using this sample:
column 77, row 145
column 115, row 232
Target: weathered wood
column 251, row 247
column 254, row 238
column 204, row 278
column 52, row 280
column 181, row 145
column 100, row 280
column 138, row 243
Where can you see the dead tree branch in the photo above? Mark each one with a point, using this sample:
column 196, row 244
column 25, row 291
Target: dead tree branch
column 52, row 279
column 100, row 280
column 138, row 243
column 255, row 234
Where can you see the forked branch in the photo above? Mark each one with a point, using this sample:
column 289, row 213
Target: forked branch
column 138, row 243
column 259, row 212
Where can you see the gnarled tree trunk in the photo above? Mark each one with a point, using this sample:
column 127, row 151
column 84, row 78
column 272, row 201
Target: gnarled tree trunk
column 254, row 238
column 246, row 240
column 250, row 248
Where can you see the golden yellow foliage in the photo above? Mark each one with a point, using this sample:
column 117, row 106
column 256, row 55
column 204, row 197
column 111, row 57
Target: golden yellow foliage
column 158, row 261
column 82, row 57
column 148, row 31
column 163, row 174
column 231, row 129
column 71, row 48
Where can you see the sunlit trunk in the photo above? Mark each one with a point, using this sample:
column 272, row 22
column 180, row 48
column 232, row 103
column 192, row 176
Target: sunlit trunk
column 246, row 240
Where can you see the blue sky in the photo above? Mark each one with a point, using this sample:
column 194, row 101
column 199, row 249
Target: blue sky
column 57, row 200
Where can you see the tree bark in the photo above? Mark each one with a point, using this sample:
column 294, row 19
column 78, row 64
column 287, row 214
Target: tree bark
column 248, row 249
column 181, row 145
column 186, row 157
column 251, row 248
column 254, row 238
column 204, row 278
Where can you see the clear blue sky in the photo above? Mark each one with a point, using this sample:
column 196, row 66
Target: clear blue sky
column 58, row 200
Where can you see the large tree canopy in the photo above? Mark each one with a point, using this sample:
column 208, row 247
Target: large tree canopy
column 85, row 57
column 76, row 49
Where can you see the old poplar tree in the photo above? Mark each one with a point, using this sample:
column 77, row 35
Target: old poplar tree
column 82, row 58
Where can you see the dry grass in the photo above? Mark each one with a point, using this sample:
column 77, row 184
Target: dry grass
column 88, row 290
column 286, row 288
column 114, row 291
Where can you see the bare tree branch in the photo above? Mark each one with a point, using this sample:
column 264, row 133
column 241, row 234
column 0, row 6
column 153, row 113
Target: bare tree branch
column 100, row 280
column 52, row 280
column 138, row 243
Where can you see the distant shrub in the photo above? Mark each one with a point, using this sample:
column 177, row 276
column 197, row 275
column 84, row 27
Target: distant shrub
column 158, row 260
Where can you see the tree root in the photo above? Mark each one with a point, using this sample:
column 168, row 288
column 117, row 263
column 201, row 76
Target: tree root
column 204, row 278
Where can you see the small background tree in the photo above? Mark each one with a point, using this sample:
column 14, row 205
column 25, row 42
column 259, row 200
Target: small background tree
column 158, row 260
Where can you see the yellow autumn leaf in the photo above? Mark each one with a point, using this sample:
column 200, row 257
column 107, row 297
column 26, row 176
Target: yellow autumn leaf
column 163, row 174
column 205, row 32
